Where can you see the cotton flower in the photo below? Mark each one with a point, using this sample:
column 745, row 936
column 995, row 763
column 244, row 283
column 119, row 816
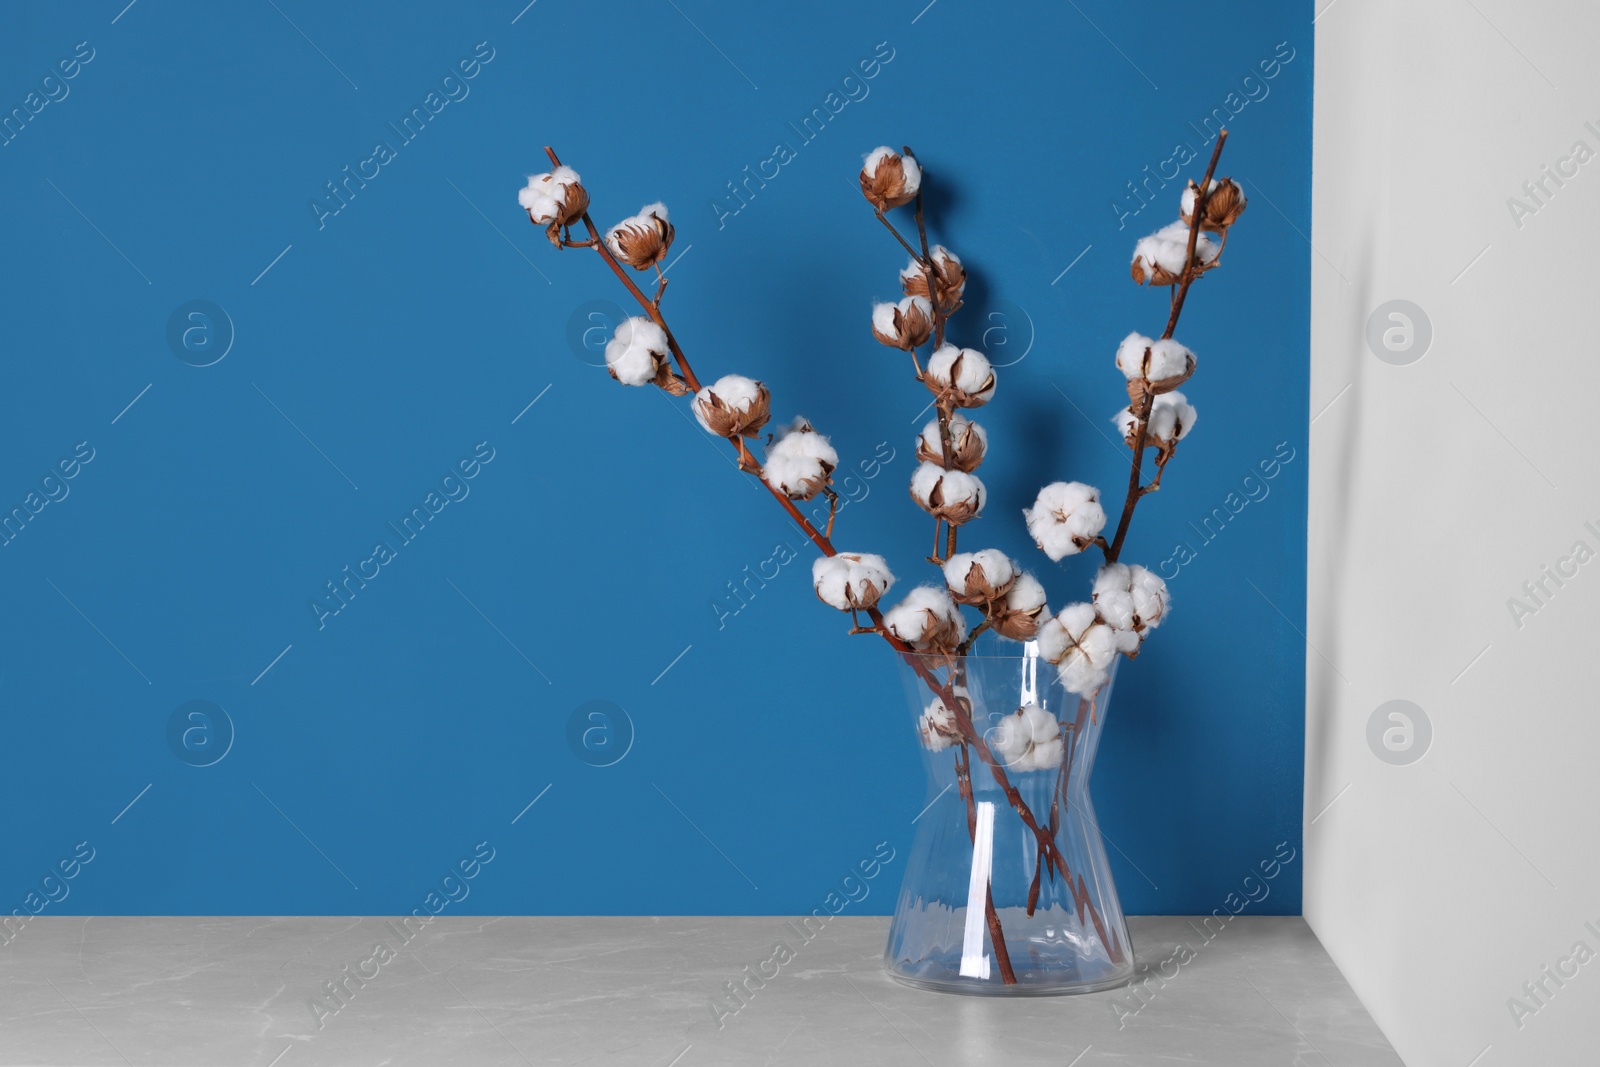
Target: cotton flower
column 1225, row 202
column 637, row 352
column 554, row 199
column 1171, row 419
column 800, row 462
column 978, row 579
column 642, row 240
column 889, row 179
column 961, row 377
column 1083, row 647
column 954, row 496
column 927, row 620
column 1065, row 519
column 938, row 726
column 968, row 443
column 1130, row 597
column 1160, row 257
column 1029, row 740
column 851, row 581
column 733, row 406
column 1019, row 613
column 950, row 279
column 904, row 325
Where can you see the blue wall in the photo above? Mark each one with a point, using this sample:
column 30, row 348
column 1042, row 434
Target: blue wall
column 376, row 349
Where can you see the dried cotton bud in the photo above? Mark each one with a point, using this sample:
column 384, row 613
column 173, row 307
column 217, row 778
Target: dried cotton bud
column 950, row 279
column 554, row 200
column 954, row 496
column 1153, row 366
column 851, row 581
column 733, row 406
column 1030, row 740
column 889, row 179
column 927, row 620
column 1171, row 419
column 800, row 462
column 978, row 579
column 1130, row 597
column 642, row 240
column 1018, row 615
column 1065, row 519
column 1159, row 258
column 904, row 325
column 968, row 443
column 960, row 377
column 637, row 355
column 1225, row 202
column 939, row 727
column 1083, row 647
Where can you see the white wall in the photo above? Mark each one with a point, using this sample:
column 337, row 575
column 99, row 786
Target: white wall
column 1437, row 489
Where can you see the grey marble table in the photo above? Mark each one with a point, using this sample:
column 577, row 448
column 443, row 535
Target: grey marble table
column 640, row 992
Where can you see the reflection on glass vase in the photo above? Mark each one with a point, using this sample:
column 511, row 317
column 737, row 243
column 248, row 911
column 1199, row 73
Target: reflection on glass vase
column 1007, row 889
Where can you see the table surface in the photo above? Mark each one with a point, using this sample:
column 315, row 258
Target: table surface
column 642, row 992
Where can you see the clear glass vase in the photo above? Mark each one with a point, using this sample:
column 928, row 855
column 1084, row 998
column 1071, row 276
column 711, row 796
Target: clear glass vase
column 1007, row 889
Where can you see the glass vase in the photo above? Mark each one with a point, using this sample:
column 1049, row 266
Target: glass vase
column 1007, row 889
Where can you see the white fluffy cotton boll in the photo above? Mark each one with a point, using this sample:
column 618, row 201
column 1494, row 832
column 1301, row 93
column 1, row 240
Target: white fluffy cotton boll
column 1065, row 518
column 938, row 727
column 637, row 351
column 1130, row 597
column 1083, row 647
column 643, row 239
column 851, row 581
column 732, row 405
column 1141, row 357
column 1029, row 740
column 968, row 444
column 800, row 462
column 889, row 179
column 954, row 496
column 1020, row 612
column 963, row 376
column 979, row 578
column 904, row 325
column 927, row 620
column 1171, row 419
column 1159, row 258
column 540, row 197
column 554, row 197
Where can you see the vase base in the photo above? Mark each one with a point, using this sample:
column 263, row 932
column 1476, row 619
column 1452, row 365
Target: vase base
column 938, row 977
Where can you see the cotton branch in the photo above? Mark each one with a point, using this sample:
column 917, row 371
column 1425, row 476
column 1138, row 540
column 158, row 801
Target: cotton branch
column 1191, row 271
column 944, row 689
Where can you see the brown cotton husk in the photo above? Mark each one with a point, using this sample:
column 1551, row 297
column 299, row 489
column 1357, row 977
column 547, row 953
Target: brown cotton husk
column 976, row 590
column 955, row 513
column 953, row 395
column 950, row 282
column 670, row 382
column 1223, row 207
column 644, row 243
column 911, row 329
column 1139, row 387
column 886, row 188
column 727, row 421
column 1017, row 625
column 967, row 456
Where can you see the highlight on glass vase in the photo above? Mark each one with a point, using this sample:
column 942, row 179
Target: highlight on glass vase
column 1008, row 890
